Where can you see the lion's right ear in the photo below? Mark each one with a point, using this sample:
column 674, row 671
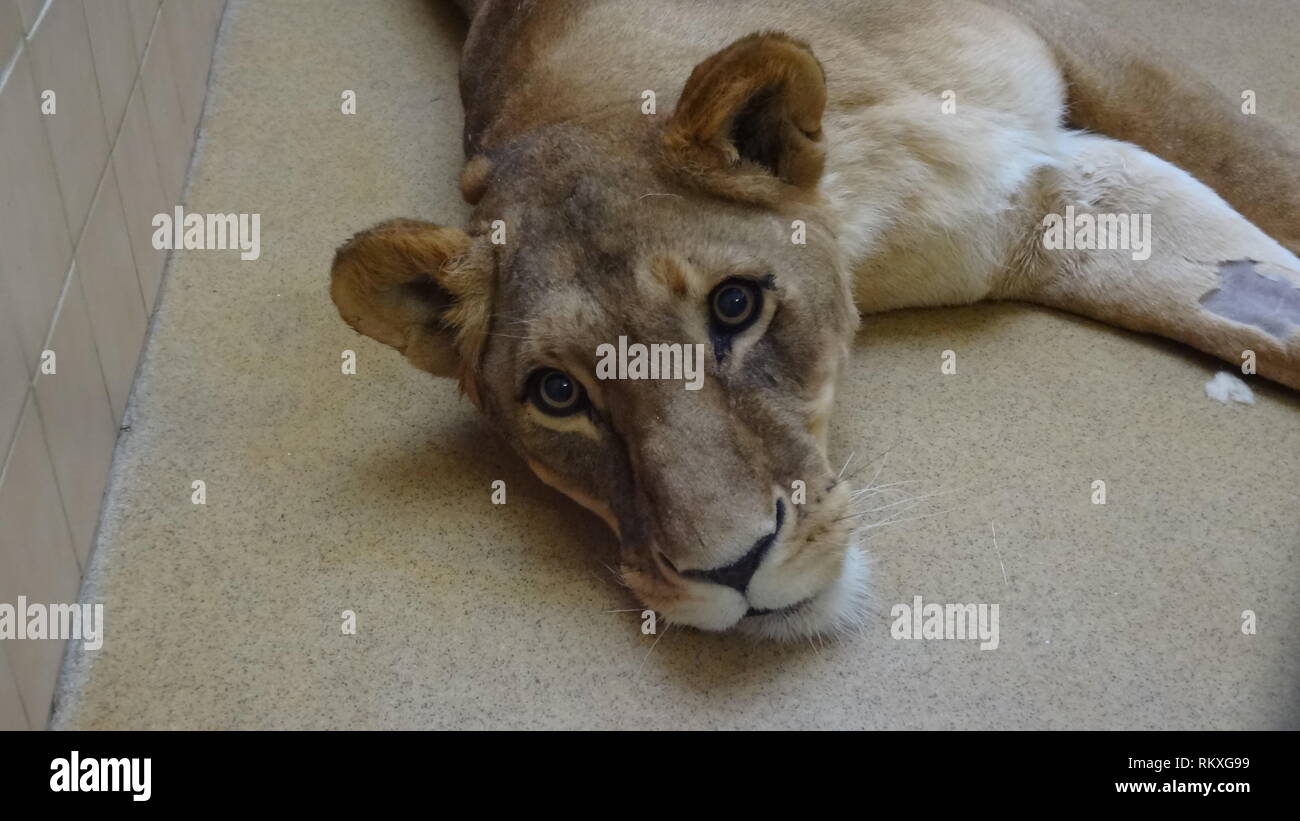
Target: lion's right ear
column 421, row 288
column 748, row 125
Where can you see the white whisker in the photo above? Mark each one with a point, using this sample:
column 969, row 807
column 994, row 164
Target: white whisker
column 840, row 475
column 659, row 638
column 996, row 550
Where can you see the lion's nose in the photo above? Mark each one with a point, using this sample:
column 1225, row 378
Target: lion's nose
column 737, row 574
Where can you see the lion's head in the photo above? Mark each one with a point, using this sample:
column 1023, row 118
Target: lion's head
column 683, row 230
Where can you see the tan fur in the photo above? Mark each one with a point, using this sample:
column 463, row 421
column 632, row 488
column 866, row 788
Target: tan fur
column 771, row 114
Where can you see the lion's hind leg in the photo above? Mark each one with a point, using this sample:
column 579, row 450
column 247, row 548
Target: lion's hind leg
column 1124, row 89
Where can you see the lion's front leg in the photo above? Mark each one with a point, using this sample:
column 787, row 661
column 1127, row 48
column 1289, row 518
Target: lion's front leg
column 1126, row 238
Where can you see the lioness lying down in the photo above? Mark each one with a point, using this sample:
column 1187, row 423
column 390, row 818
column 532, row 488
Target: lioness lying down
column 748, row 177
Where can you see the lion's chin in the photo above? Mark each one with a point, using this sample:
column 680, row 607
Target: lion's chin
column 838, row 609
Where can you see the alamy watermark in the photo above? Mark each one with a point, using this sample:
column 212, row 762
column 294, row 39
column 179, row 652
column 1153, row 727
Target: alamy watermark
column 968, row 622
column 209, row 232
column 77, row 774
column 75, row 622
column 683, row 362
column 1076, row 231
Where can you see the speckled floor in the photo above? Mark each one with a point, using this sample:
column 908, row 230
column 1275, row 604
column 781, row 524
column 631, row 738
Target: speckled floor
column 370, row 492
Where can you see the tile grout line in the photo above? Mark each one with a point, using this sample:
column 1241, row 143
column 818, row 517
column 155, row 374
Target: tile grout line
column 150, row 44
column 40, row 18
column 13, row 61
column 22, row 703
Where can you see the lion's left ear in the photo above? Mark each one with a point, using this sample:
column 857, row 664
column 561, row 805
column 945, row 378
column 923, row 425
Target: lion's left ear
column 424, row 289
column 749, row 121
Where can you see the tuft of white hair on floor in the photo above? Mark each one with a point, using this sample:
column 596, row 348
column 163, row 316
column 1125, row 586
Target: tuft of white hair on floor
column 1226, row 387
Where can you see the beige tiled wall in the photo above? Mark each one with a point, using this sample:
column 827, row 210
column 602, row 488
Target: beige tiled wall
column 79, row 276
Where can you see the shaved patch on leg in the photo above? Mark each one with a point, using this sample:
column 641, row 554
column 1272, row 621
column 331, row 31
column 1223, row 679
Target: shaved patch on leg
column 1245, row 295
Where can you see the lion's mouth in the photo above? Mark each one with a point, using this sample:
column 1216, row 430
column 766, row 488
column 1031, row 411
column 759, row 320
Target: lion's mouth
column 839, row 608
column 780, row 611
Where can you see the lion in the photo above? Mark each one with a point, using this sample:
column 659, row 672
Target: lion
column 752, row 177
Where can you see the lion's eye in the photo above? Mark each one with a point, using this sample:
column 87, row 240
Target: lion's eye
column 736, row 304
column 555, row 392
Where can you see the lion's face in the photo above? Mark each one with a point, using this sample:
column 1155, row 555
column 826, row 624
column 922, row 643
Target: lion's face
column 715, row 248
